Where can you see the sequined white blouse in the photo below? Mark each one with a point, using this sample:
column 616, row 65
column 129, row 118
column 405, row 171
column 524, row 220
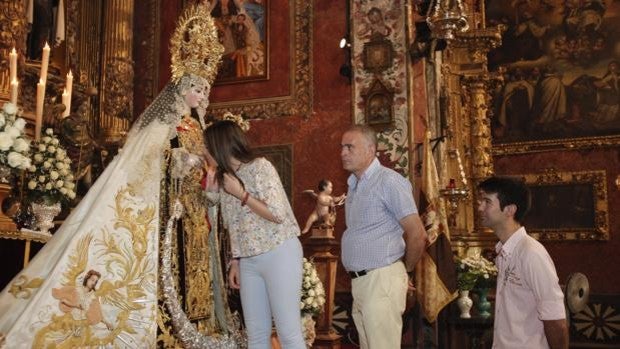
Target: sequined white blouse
column 250, row 234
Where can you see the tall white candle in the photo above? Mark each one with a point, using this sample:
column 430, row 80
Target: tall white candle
column 45, row 59
column 13, row 64
column 66, row 102
column 14, row 91
column 69, row 89
column 39, row 110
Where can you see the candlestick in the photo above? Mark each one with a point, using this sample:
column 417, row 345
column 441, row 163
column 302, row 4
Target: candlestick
column 45, row 59
column 13, row 64
column 39, row 109
column 14, row 91
column 66, row 102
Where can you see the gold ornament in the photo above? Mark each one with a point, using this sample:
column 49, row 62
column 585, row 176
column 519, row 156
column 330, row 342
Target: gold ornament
column 194, row 46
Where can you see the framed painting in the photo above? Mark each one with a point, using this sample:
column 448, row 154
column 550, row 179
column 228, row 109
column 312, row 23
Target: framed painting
column 560, row 75
column 243, row 31
column 271, row 76
column 568, row 205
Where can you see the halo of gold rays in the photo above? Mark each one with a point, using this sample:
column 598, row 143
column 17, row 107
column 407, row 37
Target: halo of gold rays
column 194, row 46
column 598, row 321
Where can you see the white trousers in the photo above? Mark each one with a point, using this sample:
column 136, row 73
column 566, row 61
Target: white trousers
column 271, row 286
column 379, row 300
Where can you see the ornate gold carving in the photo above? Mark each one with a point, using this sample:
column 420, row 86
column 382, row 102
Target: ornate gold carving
column 117, row 77
column 556, row 144
column 12, row 34
column 300, row 99
column 23, row 288
column 597, row 180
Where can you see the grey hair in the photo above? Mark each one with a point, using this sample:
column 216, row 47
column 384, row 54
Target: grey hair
column 366, row 131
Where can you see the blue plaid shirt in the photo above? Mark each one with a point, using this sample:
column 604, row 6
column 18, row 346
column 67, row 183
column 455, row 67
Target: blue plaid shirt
column 374, row 206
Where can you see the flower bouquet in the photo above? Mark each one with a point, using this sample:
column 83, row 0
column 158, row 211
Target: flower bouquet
column 49, row 179
column 473, row 269
column 312, row 300
column 14, row 146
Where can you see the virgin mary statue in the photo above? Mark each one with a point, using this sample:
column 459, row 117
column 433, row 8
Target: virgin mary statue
column 98, row 281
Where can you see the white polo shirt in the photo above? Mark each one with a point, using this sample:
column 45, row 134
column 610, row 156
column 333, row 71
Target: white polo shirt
column 528, row 292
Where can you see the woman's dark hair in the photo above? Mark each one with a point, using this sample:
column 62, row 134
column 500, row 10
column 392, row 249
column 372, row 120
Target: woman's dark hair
column 225, row 140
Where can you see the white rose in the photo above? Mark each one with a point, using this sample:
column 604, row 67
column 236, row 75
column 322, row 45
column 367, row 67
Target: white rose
column 60, row 165
column 307, row 279
column 311, row 293
column 48, row 186
column 51, row 149
column 42, row 179
column 13, row 132
column 32, row 185
column 71, row 194
column 55, row 141
column 54, row 175
column 309, row 300
column 70, row 177
column 42, row 147
column 315, row 304
column 21, row 145
column 6, row 141
column 69, row 185
column 63, row 191
column 307, row 285
column 9, row 108
column 25, row 163
column 20, row 124
column 38, row 158
column 63, row 172
column 60, row 155
column 15, row 160
column 32, row 168
column 49, row 131
column 47, row 164
column 66, row 160
column 60, row 184
column 46, row 139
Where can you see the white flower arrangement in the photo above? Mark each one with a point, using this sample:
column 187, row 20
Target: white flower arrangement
column 312, row 291
column 49, row 178
column 14, row 146
column 474, row 269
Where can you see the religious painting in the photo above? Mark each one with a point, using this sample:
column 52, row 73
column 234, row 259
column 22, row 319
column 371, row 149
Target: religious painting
column 379, row 100
column 568, row 206
column 560, row 68
column 242, row 30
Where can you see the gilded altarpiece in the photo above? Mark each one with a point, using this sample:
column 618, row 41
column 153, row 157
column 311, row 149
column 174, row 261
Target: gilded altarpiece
column 465, row 85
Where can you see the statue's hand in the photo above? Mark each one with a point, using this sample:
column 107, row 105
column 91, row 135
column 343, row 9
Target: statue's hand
column 182, row 162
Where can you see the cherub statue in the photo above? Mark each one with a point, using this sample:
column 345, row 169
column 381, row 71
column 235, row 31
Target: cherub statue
column 325, row 205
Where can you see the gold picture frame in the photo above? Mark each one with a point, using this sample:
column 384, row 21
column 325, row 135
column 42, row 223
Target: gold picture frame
column 568, row 206
column 299, row 99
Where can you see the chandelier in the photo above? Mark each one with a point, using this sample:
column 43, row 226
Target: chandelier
column 446, row 17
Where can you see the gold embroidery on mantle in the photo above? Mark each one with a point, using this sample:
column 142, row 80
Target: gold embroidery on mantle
column 128, row 276
column 22, row 287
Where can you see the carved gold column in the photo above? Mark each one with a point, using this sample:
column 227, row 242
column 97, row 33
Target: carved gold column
column 117, row 78
column 469, row 86
column 12, row 34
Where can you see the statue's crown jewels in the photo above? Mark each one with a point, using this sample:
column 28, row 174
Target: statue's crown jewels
column 194, row 46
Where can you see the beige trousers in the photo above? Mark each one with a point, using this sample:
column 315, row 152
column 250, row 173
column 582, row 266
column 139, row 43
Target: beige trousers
column 379, row 299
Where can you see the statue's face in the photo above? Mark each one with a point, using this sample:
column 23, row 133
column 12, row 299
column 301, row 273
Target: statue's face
column 195, row 95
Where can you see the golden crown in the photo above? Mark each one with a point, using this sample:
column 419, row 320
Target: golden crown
column 194, row 46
